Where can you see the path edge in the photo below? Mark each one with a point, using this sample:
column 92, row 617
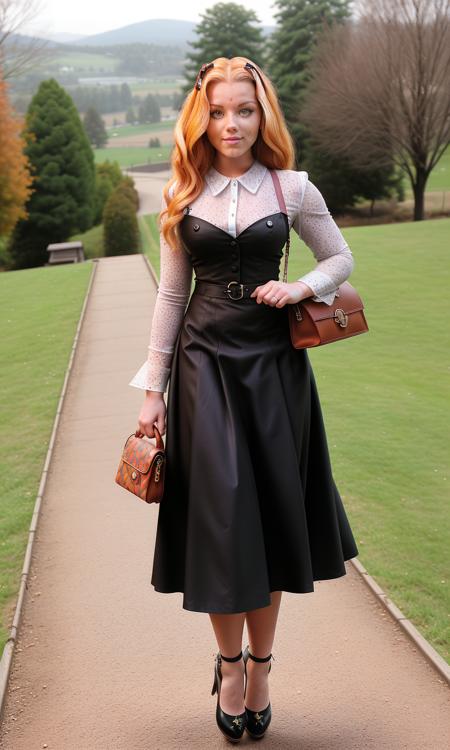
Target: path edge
column 8, row 650
column 151, row 269
column 421, row 643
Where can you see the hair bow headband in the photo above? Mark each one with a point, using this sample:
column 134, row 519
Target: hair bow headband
column 206, row 66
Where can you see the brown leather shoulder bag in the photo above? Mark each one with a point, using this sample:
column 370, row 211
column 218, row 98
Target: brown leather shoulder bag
column 316, row 323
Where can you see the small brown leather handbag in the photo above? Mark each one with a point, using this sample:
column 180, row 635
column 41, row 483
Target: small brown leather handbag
column 316, row 323
column 142, row 467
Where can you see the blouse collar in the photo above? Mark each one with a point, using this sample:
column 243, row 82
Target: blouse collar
column 251, row 179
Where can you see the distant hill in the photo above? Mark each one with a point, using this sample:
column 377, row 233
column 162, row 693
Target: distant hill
column 19, row 40
column 155, row 31
column 65, row 37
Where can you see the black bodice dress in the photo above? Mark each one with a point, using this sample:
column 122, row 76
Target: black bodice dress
column 250, row 504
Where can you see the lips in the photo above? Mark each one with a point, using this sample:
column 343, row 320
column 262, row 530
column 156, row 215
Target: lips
column 232, row 140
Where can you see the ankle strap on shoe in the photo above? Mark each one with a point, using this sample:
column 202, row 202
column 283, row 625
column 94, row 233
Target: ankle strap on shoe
column 232, row 658
column 260, row 658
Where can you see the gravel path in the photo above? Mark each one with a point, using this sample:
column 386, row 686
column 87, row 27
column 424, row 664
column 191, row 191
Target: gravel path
column 103, row 662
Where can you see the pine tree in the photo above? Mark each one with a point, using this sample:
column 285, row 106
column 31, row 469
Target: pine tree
column 95, row 128
column 15, row 178
column 225, row 30
column 126, row 97
column 130, row 116
column 149, row 110
column 299, row 22
column 63, row 164
column 292, row 45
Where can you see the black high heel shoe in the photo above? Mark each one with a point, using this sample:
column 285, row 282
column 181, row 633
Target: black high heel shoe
column 257, row 721
column 231, row 726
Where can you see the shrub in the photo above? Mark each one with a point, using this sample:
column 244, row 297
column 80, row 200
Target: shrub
column 120, row 226
column 107, row 176
column 127, row 189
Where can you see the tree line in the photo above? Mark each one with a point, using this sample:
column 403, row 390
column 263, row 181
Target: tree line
column 52, row 188
column 105, row 99
column 364, row 86
column 365, row 96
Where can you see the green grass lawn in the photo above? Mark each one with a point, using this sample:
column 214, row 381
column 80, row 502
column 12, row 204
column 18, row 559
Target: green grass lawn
column 132, row 156
column 385, row 397
column 92, row 241
column 40, row 308
column 151, row 86
column 150, row 127
column 87, row 61
column 439, row 179
column 150, row 239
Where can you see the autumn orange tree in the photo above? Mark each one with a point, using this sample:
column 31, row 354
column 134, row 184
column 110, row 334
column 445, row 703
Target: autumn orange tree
column 15, row 178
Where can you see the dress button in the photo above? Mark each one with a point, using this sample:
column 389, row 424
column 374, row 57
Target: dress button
column 234, row 256
column 196, row 227
column 233, row 242
column 269, row 223
column 234, row 268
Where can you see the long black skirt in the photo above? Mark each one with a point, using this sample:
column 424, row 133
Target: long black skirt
column 250, row 504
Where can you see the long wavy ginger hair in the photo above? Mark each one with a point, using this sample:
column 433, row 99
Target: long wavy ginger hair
column 193, row 153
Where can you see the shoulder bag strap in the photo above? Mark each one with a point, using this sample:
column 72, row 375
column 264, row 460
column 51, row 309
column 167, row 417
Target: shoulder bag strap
column 283, row 209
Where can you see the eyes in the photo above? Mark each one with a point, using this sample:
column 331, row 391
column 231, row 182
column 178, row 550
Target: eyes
column 219, row 111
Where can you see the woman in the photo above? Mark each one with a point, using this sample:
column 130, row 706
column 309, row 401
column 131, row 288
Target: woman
column 250, row 505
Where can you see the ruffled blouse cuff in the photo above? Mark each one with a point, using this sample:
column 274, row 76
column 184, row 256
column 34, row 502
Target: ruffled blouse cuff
column 322, row 285
column 151, row 377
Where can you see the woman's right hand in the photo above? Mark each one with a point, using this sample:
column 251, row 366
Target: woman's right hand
column 153, row 410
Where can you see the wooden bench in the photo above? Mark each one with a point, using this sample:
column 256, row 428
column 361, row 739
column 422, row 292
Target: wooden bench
column 65, row 252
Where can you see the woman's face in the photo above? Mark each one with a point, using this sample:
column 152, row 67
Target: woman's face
column 235, row 113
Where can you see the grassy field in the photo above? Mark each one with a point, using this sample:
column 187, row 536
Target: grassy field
column 86, row 62
column 439, row 179
column 150, row 238
column 384, row 397
column 92, row 242
column 154, row 86
column 40, row 308
column 130, row 157
column 126, row 130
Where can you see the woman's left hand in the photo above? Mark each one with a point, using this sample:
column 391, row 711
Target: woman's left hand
column 278, row 293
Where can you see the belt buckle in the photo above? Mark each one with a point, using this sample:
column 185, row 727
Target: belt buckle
column 228, row 290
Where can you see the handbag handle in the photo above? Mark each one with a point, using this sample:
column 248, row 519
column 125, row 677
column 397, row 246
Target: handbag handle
column 159, row 440
column 282, row 205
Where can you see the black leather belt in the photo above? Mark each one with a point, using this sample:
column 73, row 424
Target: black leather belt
column 233, row 290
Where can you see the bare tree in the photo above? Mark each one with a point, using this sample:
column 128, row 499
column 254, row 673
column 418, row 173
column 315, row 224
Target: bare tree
column 379, row 91
column 18, row 54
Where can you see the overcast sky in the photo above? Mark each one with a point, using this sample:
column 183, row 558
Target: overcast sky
column 88, row 17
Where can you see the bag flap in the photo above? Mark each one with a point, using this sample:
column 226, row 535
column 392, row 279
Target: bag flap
column 139, row 453
column 348, row 300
